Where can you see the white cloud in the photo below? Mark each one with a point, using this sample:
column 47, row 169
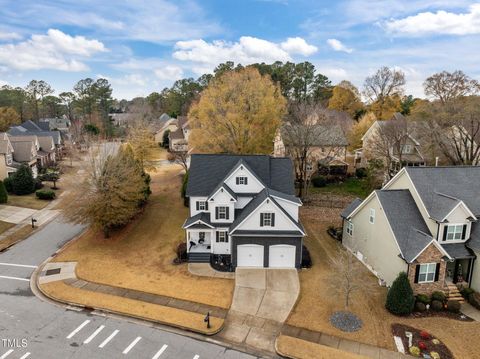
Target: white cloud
column 297, row 45
column 169, row 72
column 440, row 22
column 335, row 74
column 3, row 83
column 246, row 51
column 337, row 45
column 4, row 36
column 55, row 50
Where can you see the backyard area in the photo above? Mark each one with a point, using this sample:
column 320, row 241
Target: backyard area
column 141, row 255
column 317, row 300
column 352, row 186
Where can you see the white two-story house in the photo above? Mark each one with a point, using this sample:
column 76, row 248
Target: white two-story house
column 243, row 211
column 423, row 222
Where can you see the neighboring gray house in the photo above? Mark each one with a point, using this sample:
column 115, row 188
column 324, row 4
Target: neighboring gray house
column 45, row 136
column 243, row 212
column 423, row 222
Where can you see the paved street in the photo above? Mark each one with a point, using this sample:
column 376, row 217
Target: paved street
column 31, row 328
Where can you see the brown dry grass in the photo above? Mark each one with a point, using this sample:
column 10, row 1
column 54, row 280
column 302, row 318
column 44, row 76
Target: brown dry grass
column 317, row 303
column 28, row 201
column 5, row 226
column 140, row 256
column 171, row 316
column 301, row 349
column 16, row 237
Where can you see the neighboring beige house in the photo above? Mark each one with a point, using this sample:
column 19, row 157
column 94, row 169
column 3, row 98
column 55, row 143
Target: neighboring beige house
column 329, row 150
column 423, row 222
column 25, row 152
column 404, row 149
column 170, row 125
column 6, row 157
column 178, row 139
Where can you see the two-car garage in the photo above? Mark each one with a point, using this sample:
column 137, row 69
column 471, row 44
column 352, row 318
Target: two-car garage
column 267, row 252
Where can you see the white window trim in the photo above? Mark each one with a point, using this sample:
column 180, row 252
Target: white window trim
column 220, row 213
column 427, row 272
column 242, row 180
column 445, row 228
column 202, row 204
column 269, row 219
column 225, row 237
column 350, row 227
column 371, row 217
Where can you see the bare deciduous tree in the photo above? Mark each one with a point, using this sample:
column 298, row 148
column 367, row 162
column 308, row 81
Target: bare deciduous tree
column 182, row 157
column 447, row 86
column 382, row 86
column 305, row 125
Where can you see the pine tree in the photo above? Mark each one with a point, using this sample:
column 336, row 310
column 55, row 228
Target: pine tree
column 23, row 181
column 400, row 298
column 3, row 193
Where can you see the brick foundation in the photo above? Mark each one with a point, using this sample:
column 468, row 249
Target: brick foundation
column 430, row 255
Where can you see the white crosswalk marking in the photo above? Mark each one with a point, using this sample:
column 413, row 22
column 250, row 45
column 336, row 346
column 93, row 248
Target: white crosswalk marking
column 110, row 337
column 25, row 356
column 14, row 278
column 94, row 334
column 132, row 344
column 78, row 329
column 17, row 265
column 6, row 354
column 156, row 356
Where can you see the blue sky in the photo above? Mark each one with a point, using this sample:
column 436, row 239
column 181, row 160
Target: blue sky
column 143, row 46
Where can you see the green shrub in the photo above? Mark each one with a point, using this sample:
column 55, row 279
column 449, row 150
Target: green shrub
column 423, row 298
column 23, row 181
column 420, row 307
column 361, row 172
column 453, row 306
column 8, row 184
column 45, row 194
column 3, row 193
column 465, row 292
column 400, row 299
column 319, row 181
column 474, row 299
column 436, row 305
column 38, row 183
column 440, row 296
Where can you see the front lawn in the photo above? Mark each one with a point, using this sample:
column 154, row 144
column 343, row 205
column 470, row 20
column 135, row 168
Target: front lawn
column 27, row 201
column 140, row 256
column 351, row 186
column 317, row 301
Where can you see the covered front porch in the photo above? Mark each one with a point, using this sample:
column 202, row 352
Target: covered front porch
column 199, row 240
column 459, row 271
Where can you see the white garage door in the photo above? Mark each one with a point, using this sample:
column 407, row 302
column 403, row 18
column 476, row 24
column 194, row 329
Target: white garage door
column 249, row 255
column 281, row 256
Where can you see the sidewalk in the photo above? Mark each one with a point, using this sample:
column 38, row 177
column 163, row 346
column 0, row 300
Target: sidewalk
column 470, row 311
column 58, row 281
column 346, row 345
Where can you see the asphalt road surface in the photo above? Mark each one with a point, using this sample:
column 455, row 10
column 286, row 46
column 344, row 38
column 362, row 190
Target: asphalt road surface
column 31, row 328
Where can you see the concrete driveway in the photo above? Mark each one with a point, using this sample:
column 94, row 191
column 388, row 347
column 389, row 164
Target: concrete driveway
column 266, row 293
column 12, row 214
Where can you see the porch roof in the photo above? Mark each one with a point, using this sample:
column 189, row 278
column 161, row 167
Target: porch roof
column 271, row 233
column 458, row 250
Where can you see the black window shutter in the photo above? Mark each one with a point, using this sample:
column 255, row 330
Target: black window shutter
column 445, row 230
column 206, row 205
column 227, row 211
column 216, row 212
column 217, row 234
column 198, row 205
column 273, row 219
column 237, row 180
column 246, row 180
column 437, row 272
column 417, row 272
column 261, row 219
column 464, row 233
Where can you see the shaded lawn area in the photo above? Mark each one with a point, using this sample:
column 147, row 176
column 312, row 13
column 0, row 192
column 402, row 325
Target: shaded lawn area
column 351, row 186
column 317, row 302
column 28, row 201
column 140, row 256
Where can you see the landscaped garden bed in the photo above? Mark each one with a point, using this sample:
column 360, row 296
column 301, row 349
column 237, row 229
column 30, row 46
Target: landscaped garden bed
column 422, row 344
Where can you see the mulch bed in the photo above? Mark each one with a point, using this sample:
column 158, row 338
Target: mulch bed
column 399, row 331
column 444, row 314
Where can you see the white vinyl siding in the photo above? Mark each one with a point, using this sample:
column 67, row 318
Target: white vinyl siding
column 427, row 272
column 371, row 218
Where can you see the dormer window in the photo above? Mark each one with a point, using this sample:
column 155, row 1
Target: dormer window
column 455, row 232
column 267, row 219
column 242, row 180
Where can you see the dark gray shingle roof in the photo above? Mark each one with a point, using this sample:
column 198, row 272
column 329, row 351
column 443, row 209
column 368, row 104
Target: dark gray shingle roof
column 208, row 170
column 405, row 220
column 351, row 207
column 460, row 182
column 262, row 233
column 458, row 250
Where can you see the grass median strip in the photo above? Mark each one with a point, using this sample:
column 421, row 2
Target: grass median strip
column 301, row 349
column 158, row 313
column 16, row 237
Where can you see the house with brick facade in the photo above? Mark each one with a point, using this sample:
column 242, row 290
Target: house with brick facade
column 422, row 222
